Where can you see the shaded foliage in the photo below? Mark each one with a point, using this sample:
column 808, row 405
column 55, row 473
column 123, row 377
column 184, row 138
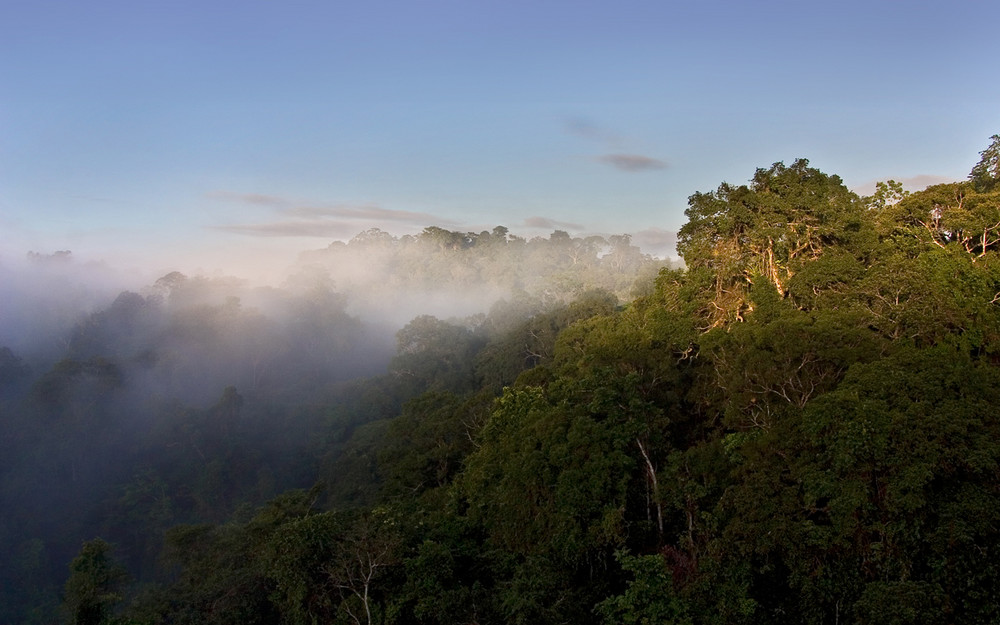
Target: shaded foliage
column 801, row 427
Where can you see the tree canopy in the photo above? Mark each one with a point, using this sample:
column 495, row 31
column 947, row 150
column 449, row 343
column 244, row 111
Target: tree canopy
column 800, row 426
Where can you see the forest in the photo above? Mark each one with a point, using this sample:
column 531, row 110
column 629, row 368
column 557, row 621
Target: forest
column 798, row 424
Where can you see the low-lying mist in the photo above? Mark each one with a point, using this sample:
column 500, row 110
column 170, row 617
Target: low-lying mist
column 344, row 302
column 129, row 400
column 44, row 295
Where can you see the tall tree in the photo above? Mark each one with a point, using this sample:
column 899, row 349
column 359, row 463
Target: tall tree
column 985, row 176
column 94, row 587
column 764, row 231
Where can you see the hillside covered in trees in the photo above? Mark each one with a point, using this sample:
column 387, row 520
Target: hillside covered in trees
column 799, row 426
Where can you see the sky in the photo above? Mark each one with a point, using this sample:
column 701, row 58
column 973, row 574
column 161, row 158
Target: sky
column 226, row 137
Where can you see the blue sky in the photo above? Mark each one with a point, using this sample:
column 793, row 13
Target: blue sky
column 228, row 135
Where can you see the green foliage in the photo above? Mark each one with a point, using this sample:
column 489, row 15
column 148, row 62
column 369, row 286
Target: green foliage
column 94, row 585
column 765, row 232
column 887, row 194
column 901, row 603
column 861, row 490
column 985, row 176
column 533, row 342
column 376, row 266
column 648, row 599
column 948, row 215
column 782, row 357
column 426, row 444
column 72, row 388
column 217, row 580
column 435, row 355
column 800, row 427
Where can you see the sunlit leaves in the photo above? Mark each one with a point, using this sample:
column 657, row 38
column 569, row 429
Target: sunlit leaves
column 985, row 176
column 765, row 232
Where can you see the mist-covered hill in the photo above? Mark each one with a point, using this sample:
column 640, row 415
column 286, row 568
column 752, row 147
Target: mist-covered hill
column 799, row 426
column 189, row 398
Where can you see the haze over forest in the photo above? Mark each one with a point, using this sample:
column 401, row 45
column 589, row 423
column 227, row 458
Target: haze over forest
column 225, row 138
column 797, row 425
column 437, row 312
column 99, row 382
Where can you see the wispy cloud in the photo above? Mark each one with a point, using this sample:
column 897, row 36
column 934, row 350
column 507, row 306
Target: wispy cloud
column 364, row 211
column 293, row 218
column 586, row 129
column 258, row 199
column 612, row 143
column 322, row 229
column 544, row 222
column 632, row 162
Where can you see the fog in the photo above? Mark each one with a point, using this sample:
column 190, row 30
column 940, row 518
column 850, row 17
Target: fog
column 330, row 316
column 44, row 294
column 219, row 391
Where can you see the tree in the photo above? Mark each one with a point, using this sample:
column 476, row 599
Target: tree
column 952, row 214
column 781, row 358
column 764, row 232
column 424, row 447
column 648, row 599
column 548, row 485
column 888, row 193
column 532, row 342
column 94, row 586
column 500, row 233
column 364, row 552
column 293, row 556
column 985, row 176
column 435, row 355
column 882, row 489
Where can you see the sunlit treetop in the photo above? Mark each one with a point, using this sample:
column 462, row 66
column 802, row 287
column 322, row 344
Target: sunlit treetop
column 985, row 176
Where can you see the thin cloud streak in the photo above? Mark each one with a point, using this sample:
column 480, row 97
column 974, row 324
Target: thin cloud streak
column 544, row 222
column 320, row 229
column 294, row 219
column 632, row 162
column 629, row 162
column 367, row 211
column 585, row 129
column 258, row 199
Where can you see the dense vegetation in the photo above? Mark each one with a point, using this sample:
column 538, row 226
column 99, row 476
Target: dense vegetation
column 197, row 400
column 798, row 427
